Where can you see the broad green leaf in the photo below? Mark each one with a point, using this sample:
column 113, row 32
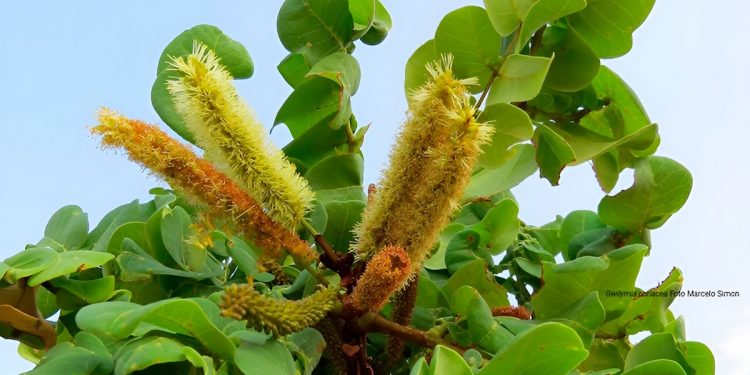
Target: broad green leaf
column 584, row 316
column 342, row 216
column 134, row 230
column 506, row 16
column 549, row 348
column 543, row 12
column 467, row 34
column 310, row 344
column 416, row 71
column 661, row 188
column 593, row 242
column 336, row 171
column 437, row 260
column 466, row 247
column 575, row 64
column 89, row 291
column 315, row 101
column 657, row 346
column 341, row 68
column 609, row 87
column 475, row 274
column 607, row 171
column 648, row 312
column 69, row 226
column 349, row 193
column 519, row 165
column 315, row 28
column 381, row 24
column 605, row 354
column 587, row 145
column 512, row 125
column 482, row 328
column 65, row 358
column 145, row 352
column 29, row 262
column 420, row 367
column 294, row 69
column 135, row 267
column 363, row 13
column 232, row 54
column 315, row 143
column 700, row 358
column 70, row 262
column 553, row 153
column 446, row 361
column 99, row 238
column 519, row 79
column 578, row 222
column 176, row 235
column 659, row 366
column 607, row 25
column 270, row 358
column 118, row 320
column 566, row 283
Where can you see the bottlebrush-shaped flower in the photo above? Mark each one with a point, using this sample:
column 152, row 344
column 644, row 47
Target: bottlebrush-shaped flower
column 280, row 317
column 431, row 163
column 199, row 180
column 385, row 273
column 225, row 127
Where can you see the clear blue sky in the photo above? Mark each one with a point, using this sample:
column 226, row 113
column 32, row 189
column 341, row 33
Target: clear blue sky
column 59, row 61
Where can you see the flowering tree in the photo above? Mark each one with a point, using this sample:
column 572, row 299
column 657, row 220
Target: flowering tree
column 267, row 260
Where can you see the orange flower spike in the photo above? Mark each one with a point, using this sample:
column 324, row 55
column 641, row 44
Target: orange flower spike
column 198, row 179
column 385, row 273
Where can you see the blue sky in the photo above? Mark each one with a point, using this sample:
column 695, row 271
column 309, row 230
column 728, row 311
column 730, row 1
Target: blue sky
column 60, row 61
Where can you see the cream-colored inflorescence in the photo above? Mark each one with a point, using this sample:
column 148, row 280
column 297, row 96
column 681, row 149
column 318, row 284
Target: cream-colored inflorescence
column 430, row 166
column 233, row 138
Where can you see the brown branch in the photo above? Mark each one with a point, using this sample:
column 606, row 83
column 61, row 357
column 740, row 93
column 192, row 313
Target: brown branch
column 374, row 322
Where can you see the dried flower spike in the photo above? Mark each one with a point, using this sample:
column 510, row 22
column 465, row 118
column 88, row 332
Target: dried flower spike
column 431, row 164
column 234, row 139
column 280, row 317
column 385, row 272
column 199, row 180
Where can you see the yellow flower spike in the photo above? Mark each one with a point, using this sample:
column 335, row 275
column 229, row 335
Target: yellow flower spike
column 431, row 163
column 199, row 180
column 234, row 139
column 385, row 273
column 280, row 317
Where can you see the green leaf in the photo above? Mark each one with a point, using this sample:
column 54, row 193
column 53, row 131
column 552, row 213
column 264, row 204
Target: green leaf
column 145, row 352
column 65, row 358
column 506, row 16
column 543, row 12
column 446, row 361
column 548, row 348
column 609, row 87
column 519, row 79
column 519, row 165
column 661, row 188
column 315, row 101
column 502, row 224
column 467, row 34
column 309, row 343
column 349, row 193
column 482, row 328
column 657, row 346
column 336, row 171
column 294, row 69
column 575, row 64
column 315, row 143
column 315, row 28
column 659, row 366
column 585, row 316
column 578, row 222
column 233, row 55
column 89, row 291
column 135, row 267
column 70, row 262
column 512, row 125
column 381, row 24
column 363, row 13
column 342, row 216
column 553, row 153
column 607, row 25
column 176, row 234
column 475, row 274
column 118, row 320
column 416, row 71
column 566, row 283
column 29, row 262
column 341, row 68
column 700, row 358
column 437, row 260
column 269, row 358
column 69, row 226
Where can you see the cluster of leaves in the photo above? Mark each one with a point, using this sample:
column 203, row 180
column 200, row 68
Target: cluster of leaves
column 139, row 292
